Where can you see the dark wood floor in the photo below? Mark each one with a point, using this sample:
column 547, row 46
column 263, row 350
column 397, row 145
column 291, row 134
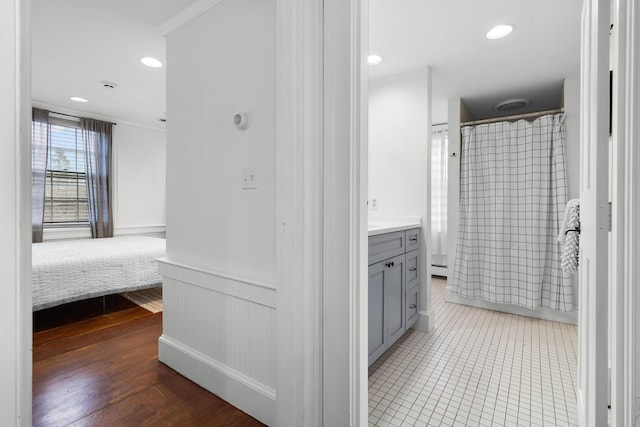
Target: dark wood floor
column 104, row 371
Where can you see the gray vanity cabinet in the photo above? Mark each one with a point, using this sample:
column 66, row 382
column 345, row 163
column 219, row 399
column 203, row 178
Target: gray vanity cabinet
column 394, row 281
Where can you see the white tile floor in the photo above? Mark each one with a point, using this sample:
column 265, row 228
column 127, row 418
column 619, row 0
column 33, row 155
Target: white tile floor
column 477, row 368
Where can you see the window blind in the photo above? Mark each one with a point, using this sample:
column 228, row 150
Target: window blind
column 66, row 188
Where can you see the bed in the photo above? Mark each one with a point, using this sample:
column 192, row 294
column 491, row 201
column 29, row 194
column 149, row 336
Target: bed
column 72, row 270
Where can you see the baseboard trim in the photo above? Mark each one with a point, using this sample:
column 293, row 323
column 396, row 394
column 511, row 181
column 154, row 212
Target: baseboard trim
column 139, row 230
column 425, row 321
column 438, row 270
column 581, row 409
column 243, row 392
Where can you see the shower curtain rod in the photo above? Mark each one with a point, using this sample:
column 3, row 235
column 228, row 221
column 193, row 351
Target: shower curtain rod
column 516, row 117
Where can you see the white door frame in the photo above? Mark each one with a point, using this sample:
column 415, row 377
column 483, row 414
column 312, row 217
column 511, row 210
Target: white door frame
column 15, row 213
column 322, row 216
column 345, row 213
column 625, row 372
column 594, row 149
column 298, row 212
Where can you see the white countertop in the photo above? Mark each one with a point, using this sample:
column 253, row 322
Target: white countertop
column 381, row 226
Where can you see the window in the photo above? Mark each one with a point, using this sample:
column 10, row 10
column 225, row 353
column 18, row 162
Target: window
column 66, row 187
column 439, row 159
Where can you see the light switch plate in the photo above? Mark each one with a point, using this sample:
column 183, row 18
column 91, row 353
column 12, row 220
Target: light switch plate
column 249, row 181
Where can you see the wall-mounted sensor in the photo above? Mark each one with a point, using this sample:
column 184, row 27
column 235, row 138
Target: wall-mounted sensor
column 241, row 120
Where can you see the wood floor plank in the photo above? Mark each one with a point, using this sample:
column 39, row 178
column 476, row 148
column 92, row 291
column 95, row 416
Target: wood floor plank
column 105, row 372
column 90, row 325
column 50, row 343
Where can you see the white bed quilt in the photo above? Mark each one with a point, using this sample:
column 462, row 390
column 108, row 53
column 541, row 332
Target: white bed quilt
column 71, row 270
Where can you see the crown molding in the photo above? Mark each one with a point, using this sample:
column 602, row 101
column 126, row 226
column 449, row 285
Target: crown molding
column 187, row 14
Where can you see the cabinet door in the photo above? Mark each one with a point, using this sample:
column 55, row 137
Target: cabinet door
column 395, row 297
column 377, row 324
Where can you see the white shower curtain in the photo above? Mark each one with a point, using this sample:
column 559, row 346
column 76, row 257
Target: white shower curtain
column 513, row 191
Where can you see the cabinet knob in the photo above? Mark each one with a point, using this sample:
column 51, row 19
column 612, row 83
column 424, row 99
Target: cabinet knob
column 390, row 264
column 413, row 239
column 412, row 306
column 412, row 269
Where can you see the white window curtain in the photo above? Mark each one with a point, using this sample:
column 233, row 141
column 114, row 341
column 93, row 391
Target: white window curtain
column 439, row 158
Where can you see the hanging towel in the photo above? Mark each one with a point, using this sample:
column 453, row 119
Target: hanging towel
column 570, row 236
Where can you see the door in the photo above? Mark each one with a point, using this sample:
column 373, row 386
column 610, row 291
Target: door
column 594, row 211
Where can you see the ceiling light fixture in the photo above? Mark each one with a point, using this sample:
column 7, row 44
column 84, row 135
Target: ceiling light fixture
column 151, row 62
column 499, row 31
column 512, row 104
column 78, row 99
column 374, row 59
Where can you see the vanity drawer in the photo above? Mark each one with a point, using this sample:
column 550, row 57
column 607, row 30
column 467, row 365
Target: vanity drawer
column 412, row 297
column 387, row 245
column 413, row 239
column 412, row 264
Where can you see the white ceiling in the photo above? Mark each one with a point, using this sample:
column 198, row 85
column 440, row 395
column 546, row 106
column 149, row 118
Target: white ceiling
column 79, row 43
column 76, row 44
column 449, row 36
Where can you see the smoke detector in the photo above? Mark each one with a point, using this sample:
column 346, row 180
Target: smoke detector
column 512, row 104
column 108, row 85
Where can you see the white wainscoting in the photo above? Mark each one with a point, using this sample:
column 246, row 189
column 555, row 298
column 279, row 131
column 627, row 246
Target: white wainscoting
column 140, row 230
column 219, row 331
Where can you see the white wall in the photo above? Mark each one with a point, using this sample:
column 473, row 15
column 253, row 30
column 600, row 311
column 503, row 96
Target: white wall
column 398, row 136
column 139, row 178
column 213, row 223
column 572, row 125
column 219, row 315
column 400, row 161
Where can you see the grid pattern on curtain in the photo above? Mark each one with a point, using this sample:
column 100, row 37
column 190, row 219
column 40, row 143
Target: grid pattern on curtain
column 97, row 138
column 513, row 191
column 439, row 159
column 40, row 141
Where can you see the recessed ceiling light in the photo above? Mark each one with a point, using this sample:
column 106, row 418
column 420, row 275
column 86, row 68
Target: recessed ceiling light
column 374, row 59
column 78, row 99
column 151, row 62
column 499, row 31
